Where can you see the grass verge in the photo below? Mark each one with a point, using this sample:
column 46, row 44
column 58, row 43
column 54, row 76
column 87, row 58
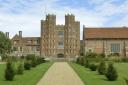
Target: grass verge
column 93, row 78
column 30, row 77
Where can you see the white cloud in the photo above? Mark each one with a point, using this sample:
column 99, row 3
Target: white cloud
column 28, row 14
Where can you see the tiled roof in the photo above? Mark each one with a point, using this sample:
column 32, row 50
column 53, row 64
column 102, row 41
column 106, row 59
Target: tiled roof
column 105, row 33
column 31, row 38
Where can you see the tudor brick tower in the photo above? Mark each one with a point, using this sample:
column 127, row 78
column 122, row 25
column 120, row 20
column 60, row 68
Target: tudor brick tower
column 72, row 36
column 60, row 40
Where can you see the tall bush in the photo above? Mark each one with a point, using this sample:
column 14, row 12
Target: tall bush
column 9, row 71
column 102, row 68
column 27, row 65
column 30, row 57
column 87, row 63
column 111, row 74
column 126, row 80
column 93, row 67
column 90, row 55
column 20, row 69
column 40, row 60
column 80, row 60
column 34, row 63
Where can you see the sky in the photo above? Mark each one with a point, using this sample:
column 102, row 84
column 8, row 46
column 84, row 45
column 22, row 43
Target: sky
column 25, row 15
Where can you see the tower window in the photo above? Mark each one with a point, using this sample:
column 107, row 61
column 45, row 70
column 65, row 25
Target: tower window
column 60, row 44
column 61, row 33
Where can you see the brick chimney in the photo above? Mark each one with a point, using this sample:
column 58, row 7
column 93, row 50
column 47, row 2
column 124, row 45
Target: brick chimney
column 7, row 34
column 20, row 33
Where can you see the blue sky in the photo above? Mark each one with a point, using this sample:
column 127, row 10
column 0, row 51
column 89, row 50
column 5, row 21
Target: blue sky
column 25, row 15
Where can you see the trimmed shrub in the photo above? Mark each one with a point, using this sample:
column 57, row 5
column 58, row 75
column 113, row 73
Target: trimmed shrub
column 80, row 60
column 22, row 57
column 97, row 60
column 40, row 60
column 93, row 67
column 102, row 68
column 101, row 55
column 86, row 63
column 124, row 59
column 33, row 63
column 90, row 55
column 114, row 54
column 30, row 57
column 20, row 69
column 111, row 74
column 27, row 65
column 126, row 80
column 9, row 71
column 114, row 58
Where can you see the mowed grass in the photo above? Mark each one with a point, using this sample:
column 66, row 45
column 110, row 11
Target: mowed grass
column 30, row 77
column 93, row 78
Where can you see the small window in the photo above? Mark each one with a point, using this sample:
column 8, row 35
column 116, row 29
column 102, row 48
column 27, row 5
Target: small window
column 15, row 49
column 20, row 48
column 61, row 33
column 16, row 41
column 61, row 45
column 37, row 48
column 29, row 41
column 115, row 48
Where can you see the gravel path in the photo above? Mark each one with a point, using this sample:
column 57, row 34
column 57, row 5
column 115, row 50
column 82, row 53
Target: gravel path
column 60, row 73
column 2, row 62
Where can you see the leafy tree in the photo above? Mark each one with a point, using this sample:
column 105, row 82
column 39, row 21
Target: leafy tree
column 111, row 73
column 5, row 44
column 102, row 68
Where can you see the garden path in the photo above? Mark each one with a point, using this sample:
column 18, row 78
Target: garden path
column 60, row 73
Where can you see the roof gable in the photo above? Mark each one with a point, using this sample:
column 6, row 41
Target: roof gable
column 16, row 36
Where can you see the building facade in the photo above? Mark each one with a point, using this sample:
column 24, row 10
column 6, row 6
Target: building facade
column 106, row 40
column 25, row 45
column 55, row 40
column 60, row 40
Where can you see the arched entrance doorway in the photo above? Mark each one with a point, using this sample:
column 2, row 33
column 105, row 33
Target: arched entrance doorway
column 60, row 55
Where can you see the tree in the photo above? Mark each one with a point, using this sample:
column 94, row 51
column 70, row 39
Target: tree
column 111, row 73
column 102, row 68
column 5, row 44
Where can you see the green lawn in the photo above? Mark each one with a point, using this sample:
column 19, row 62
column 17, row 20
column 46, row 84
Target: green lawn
column 93, row 78
column 30, row 77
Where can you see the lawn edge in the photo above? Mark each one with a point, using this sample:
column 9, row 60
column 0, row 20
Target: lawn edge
column 70, row 64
